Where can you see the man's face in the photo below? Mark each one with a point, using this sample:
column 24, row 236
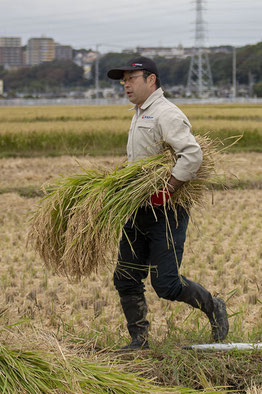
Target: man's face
column 136, row 87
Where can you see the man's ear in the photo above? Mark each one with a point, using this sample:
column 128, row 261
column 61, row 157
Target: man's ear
column 152, row 79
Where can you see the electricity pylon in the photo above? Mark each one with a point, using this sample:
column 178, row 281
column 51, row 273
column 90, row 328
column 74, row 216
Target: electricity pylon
column 199, row 77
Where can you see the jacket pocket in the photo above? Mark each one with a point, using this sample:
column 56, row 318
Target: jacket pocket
column 147, row 131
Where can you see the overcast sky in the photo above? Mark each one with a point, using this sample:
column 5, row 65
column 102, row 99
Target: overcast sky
column 119, row 24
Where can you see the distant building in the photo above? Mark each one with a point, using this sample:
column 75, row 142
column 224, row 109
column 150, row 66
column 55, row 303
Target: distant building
column 63, row 52
column 227, row 49
column 85, row 59
column 189, row 51
column 102, row 93
column 40, row 50
column 10, row 42
column 166, row 52
column 11, row 52
column 222, row 49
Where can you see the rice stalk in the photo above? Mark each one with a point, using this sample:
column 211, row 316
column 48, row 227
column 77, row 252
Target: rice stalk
column 94, row 377
column 27, row 372
column 31, row 372
column 78, row 226
column 51, row 219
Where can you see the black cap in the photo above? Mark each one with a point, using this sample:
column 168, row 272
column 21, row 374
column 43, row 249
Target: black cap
column 138, row 63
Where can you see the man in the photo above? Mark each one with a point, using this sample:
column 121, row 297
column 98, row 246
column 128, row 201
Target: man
column 156, row 119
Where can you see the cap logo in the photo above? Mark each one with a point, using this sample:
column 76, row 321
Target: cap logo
column 137, row 64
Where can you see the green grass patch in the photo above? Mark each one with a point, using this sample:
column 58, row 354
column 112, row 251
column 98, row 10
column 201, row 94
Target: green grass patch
column 62, row 143
column 33, row 144
column 234, row 369
column 251, row 141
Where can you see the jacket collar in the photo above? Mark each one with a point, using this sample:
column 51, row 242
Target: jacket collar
column 153, row 97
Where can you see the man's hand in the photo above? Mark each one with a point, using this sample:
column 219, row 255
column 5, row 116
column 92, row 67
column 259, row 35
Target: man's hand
column 174, row 184
column 161, row 196
column 158, row 199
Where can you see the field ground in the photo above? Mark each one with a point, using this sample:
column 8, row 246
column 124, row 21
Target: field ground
column 27, row 175
column 223, row 252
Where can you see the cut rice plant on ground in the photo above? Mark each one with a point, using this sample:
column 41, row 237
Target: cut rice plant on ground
column 31, row 372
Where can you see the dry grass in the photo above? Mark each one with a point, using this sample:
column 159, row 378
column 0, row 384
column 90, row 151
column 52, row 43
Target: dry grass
column 223, row 252
column 117, row 125
column 235, row 125
column 254, row 390
column 17, row 172
column 20, row 114
column 84, row 119
column 245, row 112
column 242, row 166
column 46, row 113
column 34, row 172
column 78, row 127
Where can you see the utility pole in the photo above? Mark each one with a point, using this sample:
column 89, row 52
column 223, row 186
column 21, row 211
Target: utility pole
column 1, row 87
column 234, row 71
column 199, row 77
column 97, row 71
column 251, row 82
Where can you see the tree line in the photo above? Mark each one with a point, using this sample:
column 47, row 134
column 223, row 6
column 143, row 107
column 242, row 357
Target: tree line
column 175, row 71
column 49, row 76
column 59, row 75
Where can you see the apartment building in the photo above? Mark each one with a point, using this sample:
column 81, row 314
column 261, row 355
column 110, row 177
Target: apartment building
column 63, row 52
column 40, row 50
column 11, row 52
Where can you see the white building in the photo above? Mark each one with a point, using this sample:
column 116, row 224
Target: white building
column 166, row 52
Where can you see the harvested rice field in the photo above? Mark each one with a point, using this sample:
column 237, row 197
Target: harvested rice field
column 223, row 252
column 43, row 312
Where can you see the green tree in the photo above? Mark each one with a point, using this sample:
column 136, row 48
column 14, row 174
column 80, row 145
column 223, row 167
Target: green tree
column 46, row 75
column 258, row 89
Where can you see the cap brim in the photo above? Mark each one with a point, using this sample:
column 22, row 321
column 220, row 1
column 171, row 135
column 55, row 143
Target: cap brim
column 117, row 73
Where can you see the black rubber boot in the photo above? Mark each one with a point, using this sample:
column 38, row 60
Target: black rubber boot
column 218, row 320
column 215, row 308
column 135, row 310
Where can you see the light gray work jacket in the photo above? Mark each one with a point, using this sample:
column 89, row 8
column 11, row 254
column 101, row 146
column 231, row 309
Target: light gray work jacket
column 160, row 120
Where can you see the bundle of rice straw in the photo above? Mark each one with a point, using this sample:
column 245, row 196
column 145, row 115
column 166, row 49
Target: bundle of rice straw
column 77, row 226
